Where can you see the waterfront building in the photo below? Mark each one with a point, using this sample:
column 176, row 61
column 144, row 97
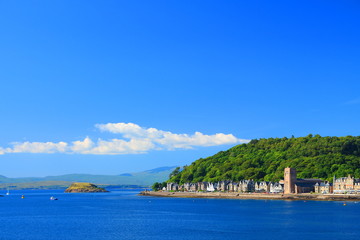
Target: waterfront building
column 323, row 187
column 193, row 187
column 246, row 186
column 276, row 187
column 202, row 186
column 231, row 186
column 223, row 186
column 172, row 187
column 234, row 186
column 290, row 185
column 346, row 185
column 228, row 186
column 186, row 187
column 306, row 185
column 211, row 187
column 262, row 187
column 294, row 185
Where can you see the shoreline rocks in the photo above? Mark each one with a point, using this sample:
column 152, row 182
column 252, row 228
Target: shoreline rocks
column 263, row 196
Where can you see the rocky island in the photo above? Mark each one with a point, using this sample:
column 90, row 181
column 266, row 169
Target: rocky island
column 81, row 187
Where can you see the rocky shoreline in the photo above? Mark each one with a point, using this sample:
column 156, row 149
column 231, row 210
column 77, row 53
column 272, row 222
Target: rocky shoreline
column 234, row 195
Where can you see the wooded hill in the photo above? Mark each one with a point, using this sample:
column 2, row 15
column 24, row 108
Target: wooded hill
column 265, row 159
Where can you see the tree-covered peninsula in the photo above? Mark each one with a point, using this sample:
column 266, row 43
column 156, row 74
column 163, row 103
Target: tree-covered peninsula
column 265, row 159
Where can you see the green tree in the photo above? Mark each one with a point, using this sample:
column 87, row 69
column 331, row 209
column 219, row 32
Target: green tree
column 175, row 172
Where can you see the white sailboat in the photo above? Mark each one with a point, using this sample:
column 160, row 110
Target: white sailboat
column 8, row 191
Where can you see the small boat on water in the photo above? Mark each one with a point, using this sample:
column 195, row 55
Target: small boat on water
column 53, row 198
column 22, row 196
column 8, row 191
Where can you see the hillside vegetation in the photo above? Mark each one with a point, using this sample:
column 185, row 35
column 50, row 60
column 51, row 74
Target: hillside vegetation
column 265, row 159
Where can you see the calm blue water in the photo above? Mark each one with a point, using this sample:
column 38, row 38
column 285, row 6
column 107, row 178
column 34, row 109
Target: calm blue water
column 123, row 215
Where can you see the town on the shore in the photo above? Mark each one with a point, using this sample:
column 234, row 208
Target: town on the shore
column 290, row 185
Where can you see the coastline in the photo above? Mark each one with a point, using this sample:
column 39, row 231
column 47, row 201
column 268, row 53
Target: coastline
column 260, row 196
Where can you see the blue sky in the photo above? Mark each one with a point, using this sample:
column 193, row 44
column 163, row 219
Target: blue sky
column 242, row 70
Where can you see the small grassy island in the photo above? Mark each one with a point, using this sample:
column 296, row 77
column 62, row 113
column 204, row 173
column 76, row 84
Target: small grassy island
column 81, row 187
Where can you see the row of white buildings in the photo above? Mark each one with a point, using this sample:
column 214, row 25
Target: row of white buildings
column 289, row 185
column 228, row 186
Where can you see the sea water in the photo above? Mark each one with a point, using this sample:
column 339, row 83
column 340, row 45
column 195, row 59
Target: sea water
column 122, row 214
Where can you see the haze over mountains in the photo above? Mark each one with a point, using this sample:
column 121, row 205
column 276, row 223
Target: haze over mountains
column 141, row 179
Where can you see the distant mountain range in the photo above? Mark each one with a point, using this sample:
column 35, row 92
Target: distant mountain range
column 138, row 179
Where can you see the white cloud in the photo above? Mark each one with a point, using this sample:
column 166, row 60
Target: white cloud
column 37, row 147
column 136, row 140
column 168, row 140
column 119, row 146
column 130, row 130
column 172, row 141
column 83, row 147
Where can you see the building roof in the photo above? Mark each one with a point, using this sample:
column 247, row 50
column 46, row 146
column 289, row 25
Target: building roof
column 323, row 184
column 314, row 180
column 305, row 184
